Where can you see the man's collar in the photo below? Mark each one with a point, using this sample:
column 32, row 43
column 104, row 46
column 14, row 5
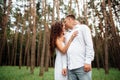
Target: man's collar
column 75, row 26
column 69, row 30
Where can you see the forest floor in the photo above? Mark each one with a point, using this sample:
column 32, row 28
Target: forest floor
column 14, row 73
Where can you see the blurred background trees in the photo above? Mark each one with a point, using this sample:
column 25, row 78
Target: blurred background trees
column 25, row 30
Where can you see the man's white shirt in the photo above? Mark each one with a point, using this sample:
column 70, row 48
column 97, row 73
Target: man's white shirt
column 81, row 50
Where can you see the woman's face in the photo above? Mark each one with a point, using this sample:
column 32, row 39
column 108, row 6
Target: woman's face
column 63, row 27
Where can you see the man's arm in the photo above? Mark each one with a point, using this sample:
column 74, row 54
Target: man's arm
column 89, row 48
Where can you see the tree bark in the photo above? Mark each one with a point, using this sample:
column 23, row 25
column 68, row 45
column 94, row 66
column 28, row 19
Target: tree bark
column 44, row 39
column 43, row 54
column 47, row 48
column 39, row 47
column 106, row 37
column 57, row 9
column 4, row 27
column 33, row 45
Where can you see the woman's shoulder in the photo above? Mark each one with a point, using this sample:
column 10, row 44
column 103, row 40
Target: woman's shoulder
column 61, row 39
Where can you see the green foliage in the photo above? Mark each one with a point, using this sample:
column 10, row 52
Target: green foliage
column 14, row 73
column 1, row 1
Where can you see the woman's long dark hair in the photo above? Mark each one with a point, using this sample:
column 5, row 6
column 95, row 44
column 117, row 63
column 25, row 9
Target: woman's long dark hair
column 56, row 31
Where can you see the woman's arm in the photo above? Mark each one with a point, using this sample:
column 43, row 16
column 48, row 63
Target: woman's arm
column 64, row 64
column 61, row 47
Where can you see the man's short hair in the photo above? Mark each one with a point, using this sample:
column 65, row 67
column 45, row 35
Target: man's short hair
column 71, row 16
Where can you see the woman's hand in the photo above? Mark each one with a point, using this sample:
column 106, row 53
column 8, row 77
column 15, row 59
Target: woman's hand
column 74, row 34
column 64, row 72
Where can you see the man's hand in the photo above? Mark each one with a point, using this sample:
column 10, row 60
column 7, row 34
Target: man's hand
column 64, row 72
column 87, row 67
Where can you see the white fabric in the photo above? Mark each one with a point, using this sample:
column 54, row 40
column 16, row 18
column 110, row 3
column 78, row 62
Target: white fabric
column 60, row 63
column 81, row 49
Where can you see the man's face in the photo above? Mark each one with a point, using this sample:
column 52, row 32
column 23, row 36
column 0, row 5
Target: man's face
column 67, row 23
column 64, row 27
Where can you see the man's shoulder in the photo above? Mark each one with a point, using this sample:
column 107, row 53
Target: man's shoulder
column 81, row 26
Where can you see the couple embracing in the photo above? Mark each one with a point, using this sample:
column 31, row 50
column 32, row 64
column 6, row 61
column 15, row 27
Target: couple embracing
column 72, row 43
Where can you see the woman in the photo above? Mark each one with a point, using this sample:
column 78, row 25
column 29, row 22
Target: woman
column 57, row 45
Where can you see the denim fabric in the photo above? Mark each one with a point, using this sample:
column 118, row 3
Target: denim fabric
column 79, row 74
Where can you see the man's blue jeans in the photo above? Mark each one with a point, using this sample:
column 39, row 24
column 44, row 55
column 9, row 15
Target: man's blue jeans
column 79, row 74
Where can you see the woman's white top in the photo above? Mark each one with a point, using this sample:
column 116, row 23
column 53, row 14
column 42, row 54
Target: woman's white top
column 60, row 63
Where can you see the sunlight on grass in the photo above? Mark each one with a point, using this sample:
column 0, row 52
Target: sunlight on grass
column 14, row 73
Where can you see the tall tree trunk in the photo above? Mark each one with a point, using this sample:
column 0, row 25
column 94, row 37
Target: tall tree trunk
column 3, row 41
column 33, row 45
column 85, row 13
column 13, row 50
column 78, row 8
column 21, row 49
column 39, row 47
column 114, row 34
column 44, row 39
column 21, row 44
column 106, row 37
column 111, row 18
column 53, row 11
column 26, row 14
column 4, row 27
column 42, row 55
column 27, row 49
column 96, row 49
column 16, row 37
column 47, row 48
column 8, row 54
column 57, row 9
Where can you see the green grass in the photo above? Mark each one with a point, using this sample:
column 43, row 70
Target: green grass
column 14, row 73
column 114, row 74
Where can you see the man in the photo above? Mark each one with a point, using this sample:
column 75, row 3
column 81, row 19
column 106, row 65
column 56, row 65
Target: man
column 80, row 53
